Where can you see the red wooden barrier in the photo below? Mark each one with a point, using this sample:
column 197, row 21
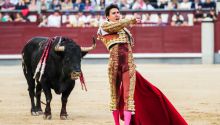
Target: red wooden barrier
column 217, row 36
column 166, row 39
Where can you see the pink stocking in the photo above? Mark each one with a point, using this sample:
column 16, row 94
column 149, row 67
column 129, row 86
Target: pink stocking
column 127, row 117
column 116, row 117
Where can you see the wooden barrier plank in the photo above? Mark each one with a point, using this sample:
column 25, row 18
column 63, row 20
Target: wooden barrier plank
column 147, row 39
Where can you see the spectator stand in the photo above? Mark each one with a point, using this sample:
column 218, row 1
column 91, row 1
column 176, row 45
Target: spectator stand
column 73, row 18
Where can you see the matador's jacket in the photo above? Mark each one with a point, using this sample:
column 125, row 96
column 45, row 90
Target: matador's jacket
column 118, row 40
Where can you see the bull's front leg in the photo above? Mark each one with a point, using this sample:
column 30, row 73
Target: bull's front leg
column 48, row 95
column 64, row 99
column 63, row 113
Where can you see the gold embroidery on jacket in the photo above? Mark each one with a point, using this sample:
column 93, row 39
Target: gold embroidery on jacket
column 113, row 69
column 131, row 105
column 117, row 32
column 121, row 37
column 114, row 27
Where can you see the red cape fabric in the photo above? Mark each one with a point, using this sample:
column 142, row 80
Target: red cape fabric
column 152, row 107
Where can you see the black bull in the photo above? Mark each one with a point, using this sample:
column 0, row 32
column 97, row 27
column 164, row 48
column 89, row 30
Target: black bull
column 63, row 67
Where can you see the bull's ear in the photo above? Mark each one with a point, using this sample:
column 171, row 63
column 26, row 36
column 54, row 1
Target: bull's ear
column 83, row 53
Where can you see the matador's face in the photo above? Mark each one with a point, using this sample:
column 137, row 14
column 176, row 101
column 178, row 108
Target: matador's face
column 114, row 15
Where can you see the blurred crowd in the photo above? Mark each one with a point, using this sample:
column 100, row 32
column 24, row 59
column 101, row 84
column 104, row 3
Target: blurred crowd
column 147, row 19
column 91, row 5
column 80, row 19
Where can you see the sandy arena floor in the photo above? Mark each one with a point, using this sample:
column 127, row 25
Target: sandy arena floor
column 193, row 89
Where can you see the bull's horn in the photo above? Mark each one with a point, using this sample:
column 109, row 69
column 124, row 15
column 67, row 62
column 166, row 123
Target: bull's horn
column 59, row 48
column 87, row 49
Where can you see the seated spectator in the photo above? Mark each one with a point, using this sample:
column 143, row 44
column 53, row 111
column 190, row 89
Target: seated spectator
column 97, row 20
column 54, row 20
column 43, row 5
column 1, row 17
column 19, row 18
column 78, row 20
column 172, row 5
column 153, row 3
column 162, row 4
column 149, row 6
column 88, row 19
column 14, row 2
column 79, row 5
column 131, row 1
column 70, row 20
column 160, row 21
column 20, row 5
column 32, row 18
column 7, row 5
column 127, row 15
column 67, row 5
column 6, row 18
column 212, row 14
column 124, row 5
column 139, row 5
column 32, row 6
column 186, row 4
column 137, row 16
column 208, row 4
column 100, row 5
column 1, row 3
column 153, row 19
column 145, row 18
column 113, row 2
column 88, row 5
column 198, row 16
column 94, row 3
column 178, row 20
column 66, row 20
column 42, row 21
column 81, row 19
column 48, row 3
column 196, row 4
column 55, row 5
column 27, row 2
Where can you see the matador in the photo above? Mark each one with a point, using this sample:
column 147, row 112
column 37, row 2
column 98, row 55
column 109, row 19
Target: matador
column 121, row 71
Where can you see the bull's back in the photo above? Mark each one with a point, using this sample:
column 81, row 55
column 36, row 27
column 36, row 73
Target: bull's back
column 31, row 50
column 33, row 44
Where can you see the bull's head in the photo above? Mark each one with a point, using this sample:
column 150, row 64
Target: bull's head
column 72, row 54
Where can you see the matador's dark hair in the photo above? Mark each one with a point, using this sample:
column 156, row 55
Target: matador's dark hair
column 108, row 8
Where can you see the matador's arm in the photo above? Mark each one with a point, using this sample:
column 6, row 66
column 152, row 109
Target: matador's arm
column 113, row 27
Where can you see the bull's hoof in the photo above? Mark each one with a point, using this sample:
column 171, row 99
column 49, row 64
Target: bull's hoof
column 47, row 117
column 40, row 112
column 63, row 117
column 33, row 113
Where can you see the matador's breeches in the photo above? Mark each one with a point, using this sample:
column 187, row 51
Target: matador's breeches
column 122, row 77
